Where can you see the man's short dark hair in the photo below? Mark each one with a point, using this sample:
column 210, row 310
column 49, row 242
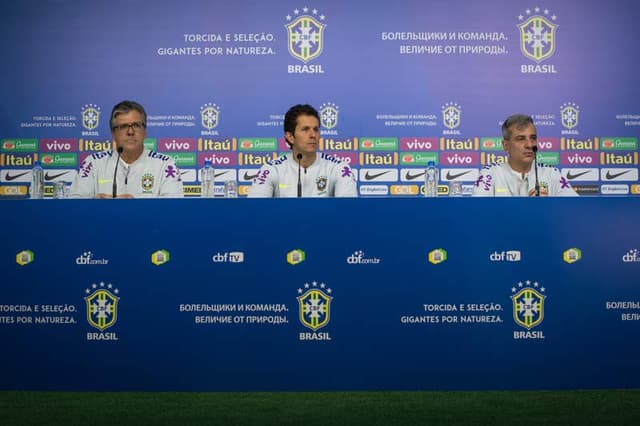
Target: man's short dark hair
column 125, row 107
column 519, row 120
column 291, row 117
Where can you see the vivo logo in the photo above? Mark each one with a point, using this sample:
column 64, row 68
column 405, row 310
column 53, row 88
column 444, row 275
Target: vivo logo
column 229, row 257
column 177, row 145
column 505, row 256
column 577, row 158
column 56, row 146
column 459, row 158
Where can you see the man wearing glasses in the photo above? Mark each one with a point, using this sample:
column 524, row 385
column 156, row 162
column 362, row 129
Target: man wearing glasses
column 131, row 171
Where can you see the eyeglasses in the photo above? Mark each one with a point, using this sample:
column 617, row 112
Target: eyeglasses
column 136, row 126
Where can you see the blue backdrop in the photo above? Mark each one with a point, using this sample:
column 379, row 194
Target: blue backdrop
column 362, row 294
column 397, row 85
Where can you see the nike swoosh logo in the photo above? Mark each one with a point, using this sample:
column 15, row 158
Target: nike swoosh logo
column 367, row 176
column 183, row 172
column 9, row 178
column 410, row 176
column 247, row 176
column 452, row 176
column 215, row 175
column 572, row 176
column 615, row 175
column 47, row 176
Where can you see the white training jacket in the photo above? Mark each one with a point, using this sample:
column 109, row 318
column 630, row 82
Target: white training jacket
column 500, row 180
column 326, row 177
column 151, row 175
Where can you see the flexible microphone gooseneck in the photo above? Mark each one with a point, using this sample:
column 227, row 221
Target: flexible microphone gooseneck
column 115, row 172
column 535, row 164
column 299, row 157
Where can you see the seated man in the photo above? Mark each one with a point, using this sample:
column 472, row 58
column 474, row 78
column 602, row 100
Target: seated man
column 141, row 173
column 517, row 177
column 319, row 175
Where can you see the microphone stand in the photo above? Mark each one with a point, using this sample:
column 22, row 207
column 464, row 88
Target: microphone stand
column 299, row 157
column 535, row 163
column 115, row 172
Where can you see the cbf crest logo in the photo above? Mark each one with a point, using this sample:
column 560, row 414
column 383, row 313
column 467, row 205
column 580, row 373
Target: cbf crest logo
column 102, row 306
column 314, row 305
column 528, row 308
column 321, row 183
column 147, row 182
column 537, row 34
column 305, row 34
column 90, row 116
column 451, row 114
column 209, row 115
column 329, row 115
column 569, row 115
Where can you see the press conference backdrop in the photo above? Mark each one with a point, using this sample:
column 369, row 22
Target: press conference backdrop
column 372, row 294
column 397, row 85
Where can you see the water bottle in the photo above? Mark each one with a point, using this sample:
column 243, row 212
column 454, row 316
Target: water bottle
column 431, row 180
column 37, row 182
column 207, row 180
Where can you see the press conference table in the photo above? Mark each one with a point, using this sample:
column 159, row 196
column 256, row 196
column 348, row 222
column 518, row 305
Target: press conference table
column 320, row 294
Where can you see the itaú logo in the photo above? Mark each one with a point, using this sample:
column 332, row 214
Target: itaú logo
column 505, row 256
column 358, row 258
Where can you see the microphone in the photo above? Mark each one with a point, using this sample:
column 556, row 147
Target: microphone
column 535, row 163
column 115, row 172
column 299, row 157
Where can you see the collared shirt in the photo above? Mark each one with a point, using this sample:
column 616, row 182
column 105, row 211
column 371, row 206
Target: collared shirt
column 501, row 180
column 326, row 177
column 151, row 175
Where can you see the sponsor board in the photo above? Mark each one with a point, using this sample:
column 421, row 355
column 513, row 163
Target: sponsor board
column 614, row 189
column 460, row 158
column 220, row 175
column 58, row 145
column 19, row 145
column 178, row 145
column 247, row 175
column 59, row 160
column 378, row 175
column 412, row 175
column 15, row 175
column 374, row 190
column 448, row 175
column 405, row 190
column 581, row 175
column 419, row 144
column 619, row 174
column 59, row 175
column 378, row 144
column 188, row 175
column 257, row 144
column 334, row 144
column 587, row 189
column 219, row 159
column 13, row 190
column 619, row 143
